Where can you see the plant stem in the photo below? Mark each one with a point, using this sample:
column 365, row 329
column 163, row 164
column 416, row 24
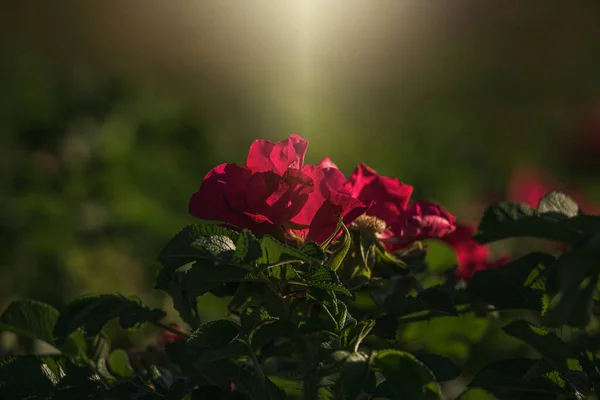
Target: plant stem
column 171, row 329
column 259, row 371
column 433, row 314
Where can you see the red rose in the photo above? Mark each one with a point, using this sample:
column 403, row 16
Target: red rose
column 276, row 190
column 471, row 256
column 261, row 202
column 390, row 196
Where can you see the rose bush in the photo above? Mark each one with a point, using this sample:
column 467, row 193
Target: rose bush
column 325, row 281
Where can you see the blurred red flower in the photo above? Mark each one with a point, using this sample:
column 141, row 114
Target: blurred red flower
column 529, row 184
column 470, row 255
column 169, row 337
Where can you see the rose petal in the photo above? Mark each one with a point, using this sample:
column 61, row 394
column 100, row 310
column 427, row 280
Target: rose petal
column 421, row 221
column 289, row 153
column 389, row 194
column 259, row 159
column 326, row 220
column 265, row 155
column 327, row 163
column 211, row 202
column 470, row 255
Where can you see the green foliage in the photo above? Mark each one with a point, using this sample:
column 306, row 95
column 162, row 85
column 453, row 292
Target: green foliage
column 297, row 328
column 37, row 320
column 118, row 364
column 557, row 217
column 92, row 312
column 406, row 377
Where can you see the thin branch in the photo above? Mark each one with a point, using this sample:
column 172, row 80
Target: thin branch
column 257, row 368
column 433, row 314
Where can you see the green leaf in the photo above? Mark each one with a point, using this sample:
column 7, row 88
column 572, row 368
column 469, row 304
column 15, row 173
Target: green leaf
column 270, row 331
column 443, row 368
column 324, row 278
column 400, row 305
column 318, row 324
column 118, row 364
column 546, row 343
column 129, row 390
column 247, row 248
column 207, row 241
column 386, row 327
column 353, row 335
column 79, row 383
column 254, row 316
column 407, row 377
column 170, row 281
column 340, row 222
column 92, row 312
column 274, row 252
column 246, row 382
column 25, row 376
column 36, row 320
column 435, row 299
column 178, row 390
column 343, row 317
column 557, row 206
column 214, row 334
column 222, row 373
column 368, row 245
column 235, row 349
column 476, row 394
column 438, row 300
column 283, row 274
column 342, row 249
column 331, row 286
column 447, row 336
column 510, row 286
column 101, row 367
column 98, row 346
column 314, row 251
column 203, row 276
column 573, row 306
column 320, row 273
column 354, row 375
column 578, row 272
column 506, row 219
column 292, row 389
column 244, row 295
column 521, row 378
column 583, row 223
column 30, row 318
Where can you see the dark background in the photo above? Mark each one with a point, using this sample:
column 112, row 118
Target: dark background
column 112, row 112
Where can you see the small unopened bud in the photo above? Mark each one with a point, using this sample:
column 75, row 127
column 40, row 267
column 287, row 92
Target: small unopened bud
column 368, row 223
column 295, row 235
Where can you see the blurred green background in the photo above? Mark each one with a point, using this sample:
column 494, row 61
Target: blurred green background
column 112, row 112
